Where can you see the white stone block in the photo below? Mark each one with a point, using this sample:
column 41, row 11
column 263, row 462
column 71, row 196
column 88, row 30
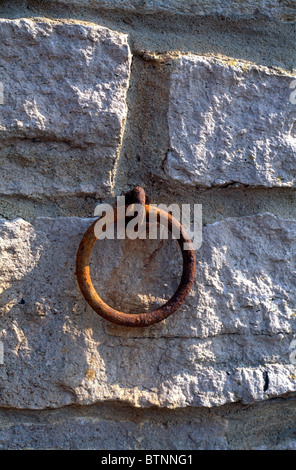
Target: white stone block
column 231, row 341
column 230, row 122
column 64, row 95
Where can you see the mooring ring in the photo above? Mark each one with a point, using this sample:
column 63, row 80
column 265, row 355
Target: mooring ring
column 137, row 319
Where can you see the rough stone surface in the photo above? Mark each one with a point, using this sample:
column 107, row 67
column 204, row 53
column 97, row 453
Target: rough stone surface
column 64, row 106
column 110, row 426
column 230, row 342
column 284, row 10
column 70, row 380
column 287, row 445
column 87, row 433
column 230, row 122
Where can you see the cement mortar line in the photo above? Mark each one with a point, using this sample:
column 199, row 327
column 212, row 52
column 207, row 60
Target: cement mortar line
column 149, row 26
column 279, row 201
column 105, row 410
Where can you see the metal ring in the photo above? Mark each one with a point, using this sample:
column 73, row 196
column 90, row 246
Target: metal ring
column 137, row 319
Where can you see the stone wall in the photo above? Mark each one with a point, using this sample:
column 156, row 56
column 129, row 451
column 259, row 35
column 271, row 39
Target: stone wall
column 193, row 101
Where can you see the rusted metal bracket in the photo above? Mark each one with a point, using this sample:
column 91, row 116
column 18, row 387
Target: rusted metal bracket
column 137, row 195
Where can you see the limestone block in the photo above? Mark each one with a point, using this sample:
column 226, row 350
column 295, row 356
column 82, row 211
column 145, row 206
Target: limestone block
column 231, row 341
column 230, row 122
column 284, row 10
column 64, row 107
column 91, row 433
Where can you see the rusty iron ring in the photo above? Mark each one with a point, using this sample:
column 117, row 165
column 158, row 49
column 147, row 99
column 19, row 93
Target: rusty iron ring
column 138, row 319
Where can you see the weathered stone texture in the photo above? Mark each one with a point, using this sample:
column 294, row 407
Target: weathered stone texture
column 264, row 425
column 216, row 122
column 230, row 122
column 64, row 106
column 287, row 445
column 90, row 433
column 283, row 10
column 230, row 342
